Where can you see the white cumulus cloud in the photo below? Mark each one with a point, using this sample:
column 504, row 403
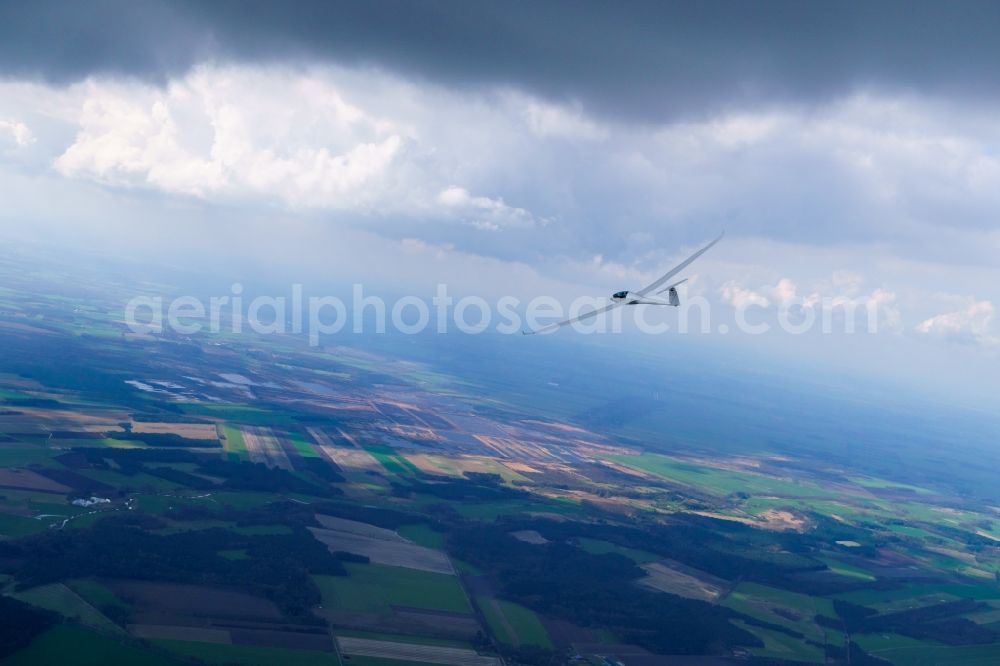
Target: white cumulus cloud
column 234, row 132
column 973, row 324
column 483, row 212
column 738, row 296
column 17, row 131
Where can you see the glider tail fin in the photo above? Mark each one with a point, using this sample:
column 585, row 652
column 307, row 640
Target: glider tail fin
column 672, row 292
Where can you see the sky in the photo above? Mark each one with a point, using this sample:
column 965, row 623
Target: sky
column 849, row 150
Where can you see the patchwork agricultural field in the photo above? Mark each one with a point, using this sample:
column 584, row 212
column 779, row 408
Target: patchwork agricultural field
column 514, row 624
column 377, row 588
column 247, row 500
column 396, row 551
column 398, row 651
column 673, row 579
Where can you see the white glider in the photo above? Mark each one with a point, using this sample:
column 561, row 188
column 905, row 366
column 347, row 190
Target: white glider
column 648, row 295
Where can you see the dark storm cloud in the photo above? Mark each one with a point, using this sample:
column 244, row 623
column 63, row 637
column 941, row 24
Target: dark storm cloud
column 648, row 60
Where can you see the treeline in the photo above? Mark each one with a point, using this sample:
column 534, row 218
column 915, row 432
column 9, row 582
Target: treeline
column 279, row 566
column 390, row 519
column 854, row 655
column 81, row 485
column 236, row 475
column 563, row 581
column 475, row 487
column 321, row 468
column 76, row 364
column 21, row 624
column 729, row 551
column 165, row 439
column 245, row 475
column 98, row 457
column 938, row 622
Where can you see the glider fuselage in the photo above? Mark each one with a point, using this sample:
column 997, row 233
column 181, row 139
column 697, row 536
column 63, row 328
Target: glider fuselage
column 630, row 298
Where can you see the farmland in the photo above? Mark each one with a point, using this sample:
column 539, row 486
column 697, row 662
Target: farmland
column 243, row 499
column 514, row 624
column 68, row 644
column 392, row 552
column 673, row 580
column 373, row 588
column 413, row 652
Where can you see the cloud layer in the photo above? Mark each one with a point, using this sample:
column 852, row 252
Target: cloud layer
column 650, row 60
column 914, row 177
column 850, row 151
column 918, row 175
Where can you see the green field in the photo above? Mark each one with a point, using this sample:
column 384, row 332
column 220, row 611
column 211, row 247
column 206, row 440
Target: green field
column 63, row 600
column 913, row 596
column 242, row 414
column 18, row 526
column 905, row 651
column 88, row 519
column 423, row 535
column 853, row 511
column 788, row 609
column 493, row 510
column 146, row 482
column 801, row 602
column 69, row 644
column 19, row 456
column 909, row 530
column 512, row 623
column 96, row 594
column 843, row 569
column 917, row 512
column 233, row 441
column 302, row 447
column 868, row 482
column 392, row 461
column 375, row 588
column 718, row 481
column 598, row 547
column 781, row 646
